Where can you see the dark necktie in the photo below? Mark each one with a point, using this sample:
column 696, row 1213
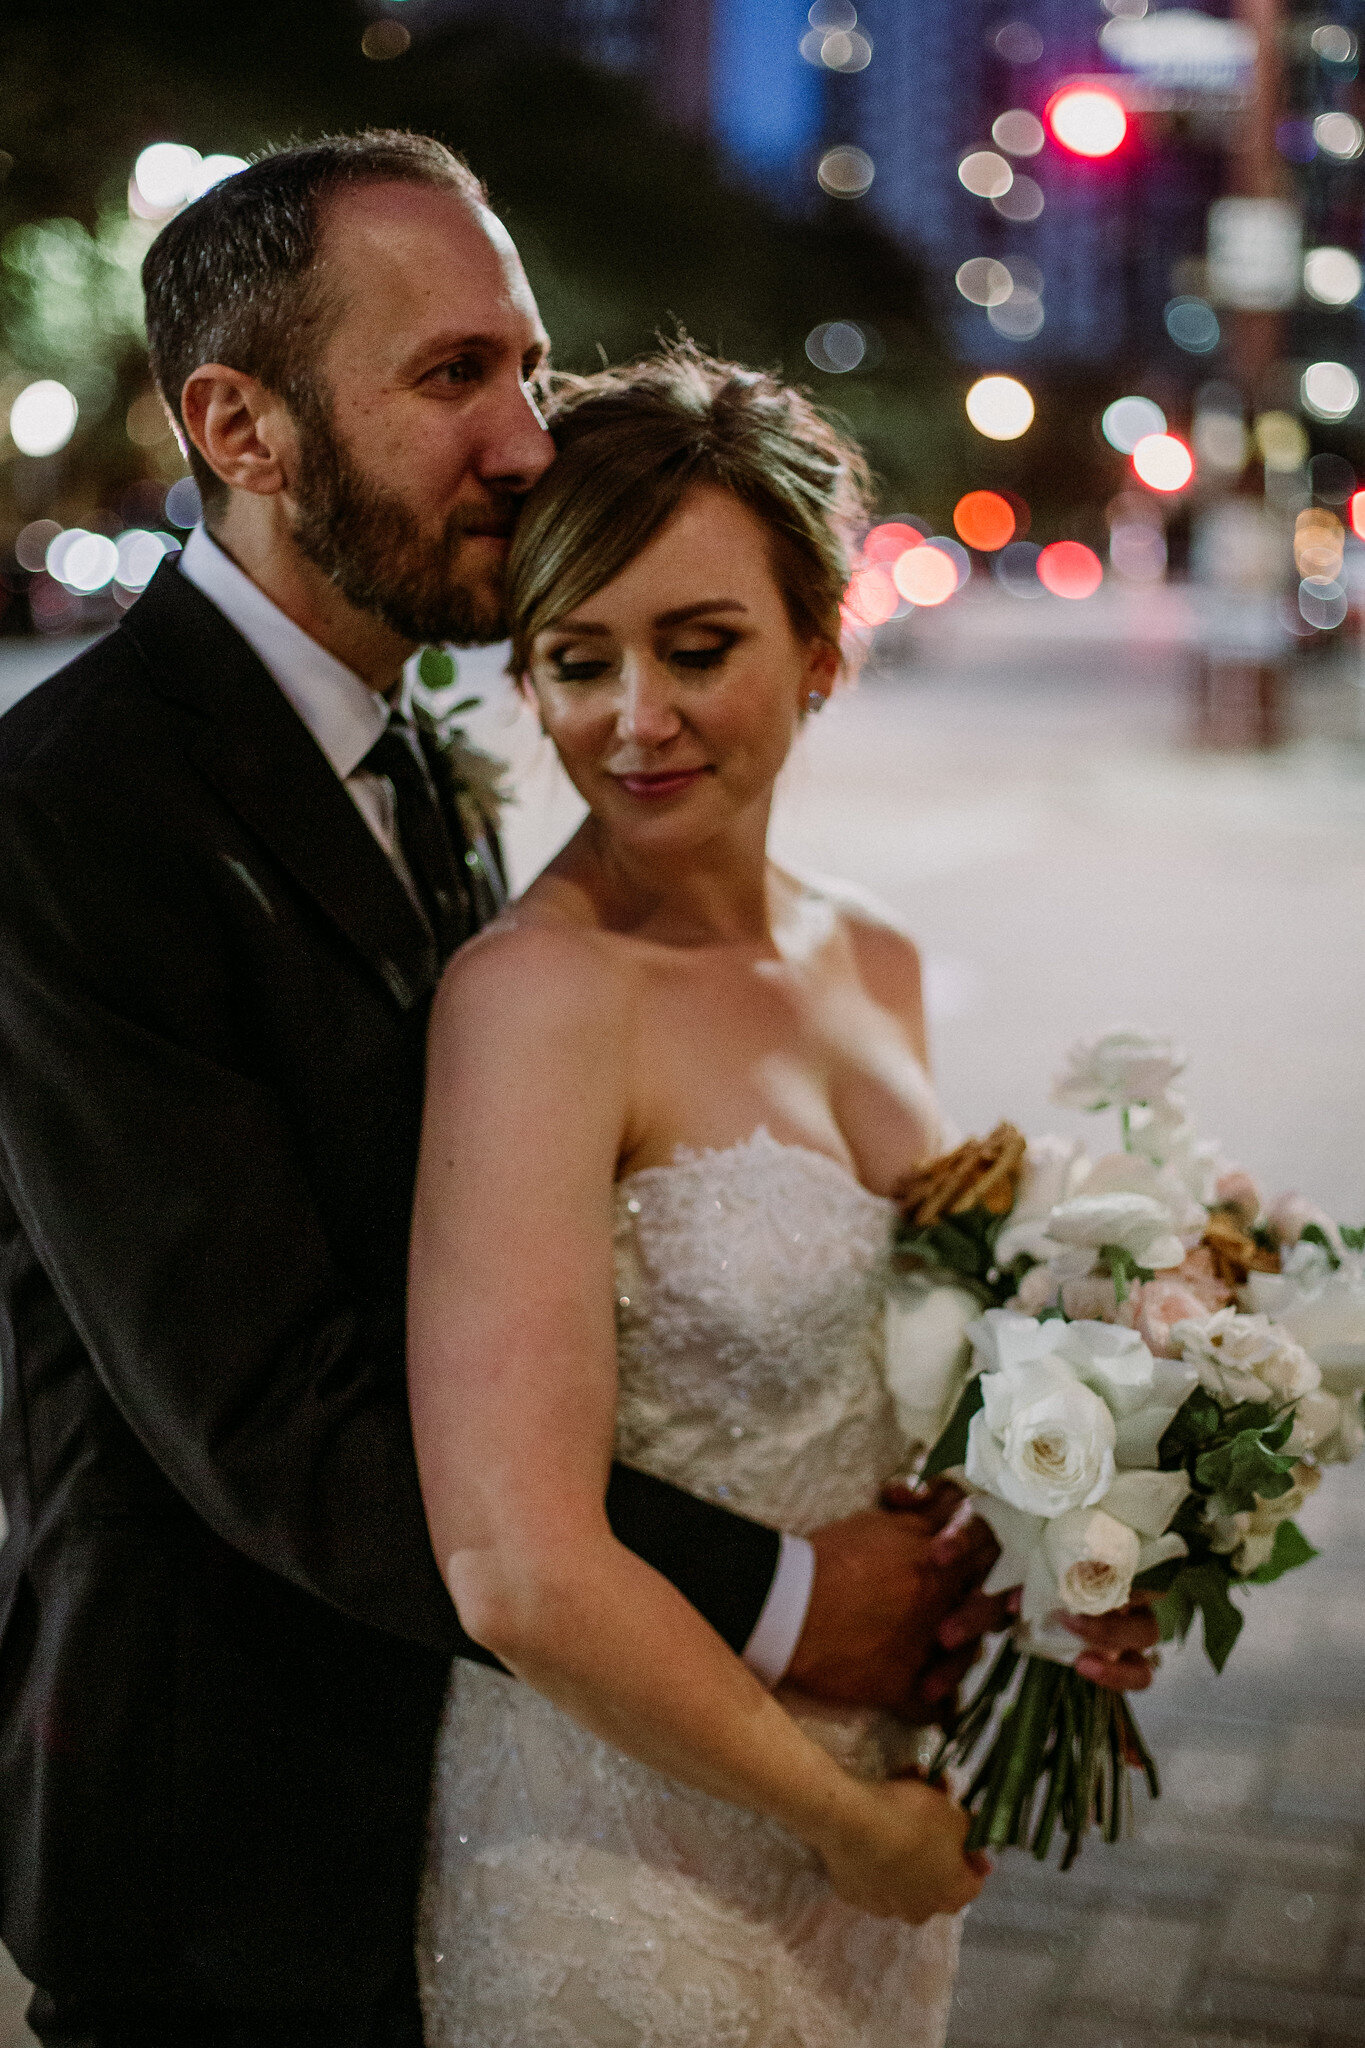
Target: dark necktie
column 423, row 836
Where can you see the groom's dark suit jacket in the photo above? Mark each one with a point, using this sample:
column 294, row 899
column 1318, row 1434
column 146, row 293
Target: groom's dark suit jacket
column 223, row 1640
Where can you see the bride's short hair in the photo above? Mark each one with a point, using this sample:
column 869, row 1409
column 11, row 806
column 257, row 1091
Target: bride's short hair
column 633, row 441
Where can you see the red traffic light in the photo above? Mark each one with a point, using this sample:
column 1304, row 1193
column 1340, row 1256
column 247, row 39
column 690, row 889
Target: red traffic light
column 1088, row 120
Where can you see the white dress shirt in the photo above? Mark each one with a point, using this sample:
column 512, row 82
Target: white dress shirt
column 346, row 717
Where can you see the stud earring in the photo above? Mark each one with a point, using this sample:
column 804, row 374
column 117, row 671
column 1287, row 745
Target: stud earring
column 815, row 701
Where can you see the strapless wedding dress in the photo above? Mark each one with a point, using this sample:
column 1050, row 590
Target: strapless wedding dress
column 577, row 1899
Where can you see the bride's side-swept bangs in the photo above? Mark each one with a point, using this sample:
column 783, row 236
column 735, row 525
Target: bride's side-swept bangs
column 632, row 442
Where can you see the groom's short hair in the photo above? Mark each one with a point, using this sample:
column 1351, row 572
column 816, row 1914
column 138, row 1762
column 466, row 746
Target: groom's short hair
column 232, row 279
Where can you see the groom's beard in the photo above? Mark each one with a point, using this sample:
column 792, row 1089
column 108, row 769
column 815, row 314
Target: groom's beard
column 379, row 555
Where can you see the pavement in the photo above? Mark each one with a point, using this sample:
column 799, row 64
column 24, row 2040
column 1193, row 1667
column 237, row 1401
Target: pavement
column 1015, row 782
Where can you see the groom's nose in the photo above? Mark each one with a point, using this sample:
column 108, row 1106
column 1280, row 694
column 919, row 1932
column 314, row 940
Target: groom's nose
column 517, row 447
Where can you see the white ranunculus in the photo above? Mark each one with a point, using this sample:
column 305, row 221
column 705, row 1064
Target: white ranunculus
column 1120, row 1070
column 1093, row 1558
column 1165, row 1135
column 927, row 1355
column 1243, row 1357
column 1131, row 1173
column 1054, row 1170
column 1322, row 1308
column 1003, row 1340
column 1137, row 1223
column 1041, row 1441
column 1143, row 1392
column 1347, row 1440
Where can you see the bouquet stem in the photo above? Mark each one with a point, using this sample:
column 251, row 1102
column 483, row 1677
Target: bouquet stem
column 1061, row 1754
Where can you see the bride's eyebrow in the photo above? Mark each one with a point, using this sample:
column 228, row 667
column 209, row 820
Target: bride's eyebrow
column 580, row 628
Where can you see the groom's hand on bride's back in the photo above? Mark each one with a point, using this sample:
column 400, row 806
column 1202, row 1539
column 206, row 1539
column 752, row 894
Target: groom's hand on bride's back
column 888, row 1584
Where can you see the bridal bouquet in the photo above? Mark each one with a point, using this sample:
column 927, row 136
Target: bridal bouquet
column 1138, row 1371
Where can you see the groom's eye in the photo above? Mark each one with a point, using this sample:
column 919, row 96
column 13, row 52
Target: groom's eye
column 460, row 370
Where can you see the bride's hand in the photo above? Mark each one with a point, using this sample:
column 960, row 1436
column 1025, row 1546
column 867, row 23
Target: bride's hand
column 895, row 1849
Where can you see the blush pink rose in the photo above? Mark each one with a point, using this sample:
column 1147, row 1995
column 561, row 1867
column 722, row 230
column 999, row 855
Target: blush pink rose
column 1090, row 1300
column 1159, row 1305
column 1236, row 1189
column 1289, row 1215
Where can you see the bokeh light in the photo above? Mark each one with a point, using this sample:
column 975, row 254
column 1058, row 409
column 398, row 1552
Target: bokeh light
column 1023, row 201
column 32, row 543
column 1192, row 325
column 1220, row 440
column 1319, row 543
column 1018, row 42
column 183, row 505
column 1070, row 569
column 1329, row 390
column 43, row 417
column 1016, row 569
column 1018, row 132
column 1001, row 408
column 1137, row 551
column 845, row 172
column 1335, row 45
column 165, row 175
column 1019, row 317
column 1331, row 276
column 139, row 554
column 836, row 346
column 984, row 520
column 385, row 40
column 926, row 575
column 887, row 542
column 985, row 281
column 1280, row 441
column 1339, row 135
column 1331, row 478
column 838, row 49
column 871, row 596
column 1127, row 420
column 1087, row 120
column 985, row 174
column 956, row 554
column 83, row 562
column 1322, row 602
column 1163, row 462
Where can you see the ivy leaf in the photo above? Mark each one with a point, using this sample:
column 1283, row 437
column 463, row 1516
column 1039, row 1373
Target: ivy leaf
column 1203, row 1587
column 436, row 668
column 1292, row 1549
column 1315, row 1234
column 951, row 1447
column 1236, row 1474
column 1354, row 1240
column 1195, row 1424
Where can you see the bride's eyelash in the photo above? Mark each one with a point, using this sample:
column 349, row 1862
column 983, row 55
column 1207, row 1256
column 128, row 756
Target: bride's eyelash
column 705, row 657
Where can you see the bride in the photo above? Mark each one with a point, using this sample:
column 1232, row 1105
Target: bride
column 684, row 1085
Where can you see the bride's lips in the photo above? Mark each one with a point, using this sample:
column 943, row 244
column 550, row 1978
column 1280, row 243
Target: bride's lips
column 666, row 782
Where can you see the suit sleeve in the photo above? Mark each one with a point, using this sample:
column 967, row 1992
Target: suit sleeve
column 164, row 1194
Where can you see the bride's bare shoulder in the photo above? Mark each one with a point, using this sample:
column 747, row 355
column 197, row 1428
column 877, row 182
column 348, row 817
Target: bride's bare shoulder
column 540, row 968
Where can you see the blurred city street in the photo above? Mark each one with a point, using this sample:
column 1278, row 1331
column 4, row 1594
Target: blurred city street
column 1024, row 799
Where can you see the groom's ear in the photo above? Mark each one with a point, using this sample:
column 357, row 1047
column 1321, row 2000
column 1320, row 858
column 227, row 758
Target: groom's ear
column 243, row 430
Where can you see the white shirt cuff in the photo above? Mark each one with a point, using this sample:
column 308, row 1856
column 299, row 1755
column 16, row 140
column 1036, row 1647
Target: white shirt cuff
column 777, row 1631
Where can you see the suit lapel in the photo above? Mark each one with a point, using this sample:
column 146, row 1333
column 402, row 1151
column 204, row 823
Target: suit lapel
column 260, row 757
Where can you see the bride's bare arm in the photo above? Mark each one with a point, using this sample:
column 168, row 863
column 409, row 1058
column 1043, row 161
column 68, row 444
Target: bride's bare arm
column 512, row 1363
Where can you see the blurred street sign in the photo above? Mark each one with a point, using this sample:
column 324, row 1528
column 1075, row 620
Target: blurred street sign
column 1255, row 254
column 1183, row 50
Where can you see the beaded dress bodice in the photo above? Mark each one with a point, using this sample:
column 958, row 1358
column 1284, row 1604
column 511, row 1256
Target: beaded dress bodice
column 577, row 1899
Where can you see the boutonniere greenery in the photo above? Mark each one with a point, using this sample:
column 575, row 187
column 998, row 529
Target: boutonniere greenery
column 476, row 779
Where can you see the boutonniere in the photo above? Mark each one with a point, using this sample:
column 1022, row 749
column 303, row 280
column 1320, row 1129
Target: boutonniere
column 476, row 779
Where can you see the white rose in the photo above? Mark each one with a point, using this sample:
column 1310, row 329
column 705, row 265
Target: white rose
column 1041, row 1441
column 1323, row 1309
column 1246, row 1358
column 1146, row 1501
column 927, row 1355
column 1141, row 1391
column 1347, row 1441
column 1119, row 1070
column 1138, row 1224
column 1053, row 1171
column 1003, row 1340
column 1092, row 1559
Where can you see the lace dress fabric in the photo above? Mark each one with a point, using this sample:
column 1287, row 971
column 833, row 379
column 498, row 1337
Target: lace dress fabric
column 577, row 1899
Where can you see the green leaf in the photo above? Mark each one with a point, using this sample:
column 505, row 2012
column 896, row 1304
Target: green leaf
column 436, row 668
column 951, row 1447
column 1205, row 1586
column 1354, row 1240
column 1292, row 1549
column 1315, row 1234
column 1123, row 1268
column 1194, row 1425
column 1246, row 1469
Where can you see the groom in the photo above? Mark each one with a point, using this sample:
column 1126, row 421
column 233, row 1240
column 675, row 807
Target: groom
column 232, row 871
